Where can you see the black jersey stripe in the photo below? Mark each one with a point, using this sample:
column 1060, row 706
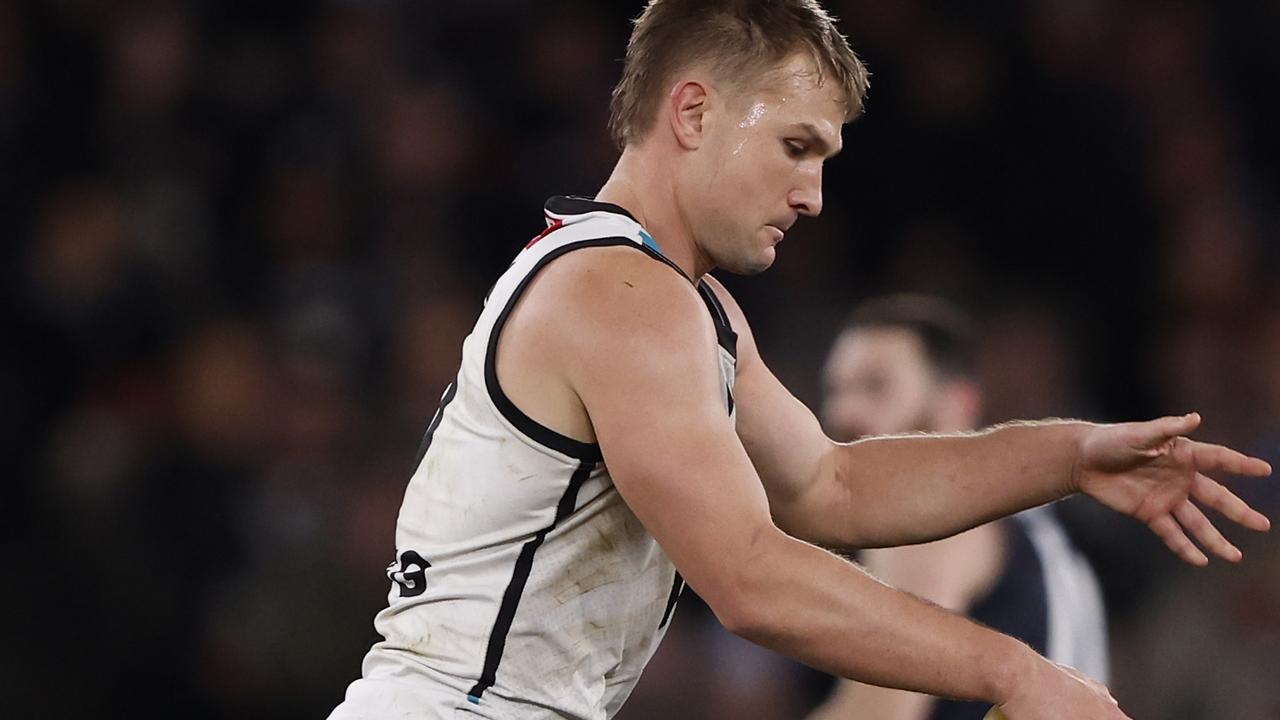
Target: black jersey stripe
column 579, row 205
column 586, row 452
column 677, row 586
column 425, row 445
column 665, row 261
column 564, row 205
column 515, row 588
column 725, row 335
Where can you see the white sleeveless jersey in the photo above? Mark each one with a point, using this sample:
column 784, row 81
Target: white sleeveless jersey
column 523, row 585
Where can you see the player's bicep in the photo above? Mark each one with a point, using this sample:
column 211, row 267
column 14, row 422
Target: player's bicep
column 647, row 374
column 784, row 439
column 786, row 445
column 683, row 472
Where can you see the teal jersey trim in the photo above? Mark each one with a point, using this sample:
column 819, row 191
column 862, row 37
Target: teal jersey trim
column 649, row 242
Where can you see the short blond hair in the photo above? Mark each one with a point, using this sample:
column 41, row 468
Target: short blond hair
column 737, row 39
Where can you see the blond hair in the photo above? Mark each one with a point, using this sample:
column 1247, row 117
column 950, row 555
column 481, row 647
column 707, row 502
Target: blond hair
column 737, row 39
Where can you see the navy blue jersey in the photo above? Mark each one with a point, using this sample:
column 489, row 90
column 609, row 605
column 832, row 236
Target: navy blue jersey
column 1048, row 597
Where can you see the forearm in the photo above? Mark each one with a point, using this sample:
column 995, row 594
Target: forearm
column 828, row 613
column 902, row 490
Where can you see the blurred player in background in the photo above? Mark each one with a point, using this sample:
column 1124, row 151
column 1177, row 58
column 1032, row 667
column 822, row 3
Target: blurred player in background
column 613, row 431
column 904, row 364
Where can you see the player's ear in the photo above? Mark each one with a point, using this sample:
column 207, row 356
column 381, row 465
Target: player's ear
column 689, row 102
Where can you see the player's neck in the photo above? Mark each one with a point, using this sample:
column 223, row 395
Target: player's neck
column 649, row 195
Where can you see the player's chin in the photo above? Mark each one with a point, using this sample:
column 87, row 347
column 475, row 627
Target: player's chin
column 754, row 264
column 764, row 259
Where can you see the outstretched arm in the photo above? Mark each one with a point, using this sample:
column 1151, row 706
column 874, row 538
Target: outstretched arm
column 901, row 490
column 946, row 484
column 641, row 356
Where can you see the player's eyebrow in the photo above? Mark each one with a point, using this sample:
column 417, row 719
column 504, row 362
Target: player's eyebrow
column 818, row 140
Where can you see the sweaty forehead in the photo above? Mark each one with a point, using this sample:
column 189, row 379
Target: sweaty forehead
column 800, row 93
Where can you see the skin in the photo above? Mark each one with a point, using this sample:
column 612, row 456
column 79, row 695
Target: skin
column 742, row 510
column 879, row 381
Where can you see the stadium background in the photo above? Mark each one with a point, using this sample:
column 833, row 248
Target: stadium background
column 242, row 242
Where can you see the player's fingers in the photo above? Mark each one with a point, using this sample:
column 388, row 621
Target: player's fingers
column 1194, row 520
column 1212, row 493
column 1181, row 424
column 1161, row 429
column 1150, row 438
column 1171, row 533
column 1210, row 457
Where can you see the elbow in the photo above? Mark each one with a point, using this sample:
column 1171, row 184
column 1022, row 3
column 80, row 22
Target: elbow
column 744, row 619
column 743, row 599
column 824, row 510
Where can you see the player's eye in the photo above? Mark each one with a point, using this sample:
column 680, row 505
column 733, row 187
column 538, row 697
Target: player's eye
column 796, row 148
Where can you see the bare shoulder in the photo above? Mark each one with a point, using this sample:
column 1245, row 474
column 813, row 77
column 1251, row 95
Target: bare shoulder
column 595, row 315
column 621, row 305
column 614, row 284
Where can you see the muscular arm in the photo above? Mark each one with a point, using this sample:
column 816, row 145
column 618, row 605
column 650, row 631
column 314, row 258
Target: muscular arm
column 921, row 488
column 641, row 356
column 887, row 491
column 901, row 490
column 955, row 573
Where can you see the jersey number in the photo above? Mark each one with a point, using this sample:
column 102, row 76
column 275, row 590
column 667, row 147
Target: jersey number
column 410, row 574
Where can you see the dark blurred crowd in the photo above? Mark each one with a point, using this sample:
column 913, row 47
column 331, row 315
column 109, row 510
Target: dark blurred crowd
column 243, row 242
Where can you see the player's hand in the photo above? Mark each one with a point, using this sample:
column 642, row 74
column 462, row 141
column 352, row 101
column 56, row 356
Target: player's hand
column 1151, row 471
column 1058, row 692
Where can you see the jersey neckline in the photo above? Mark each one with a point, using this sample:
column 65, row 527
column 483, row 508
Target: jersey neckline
column 581, row 205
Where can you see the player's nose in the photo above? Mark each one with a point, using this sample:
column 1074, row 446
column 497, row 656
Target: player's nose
column 806, row 199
